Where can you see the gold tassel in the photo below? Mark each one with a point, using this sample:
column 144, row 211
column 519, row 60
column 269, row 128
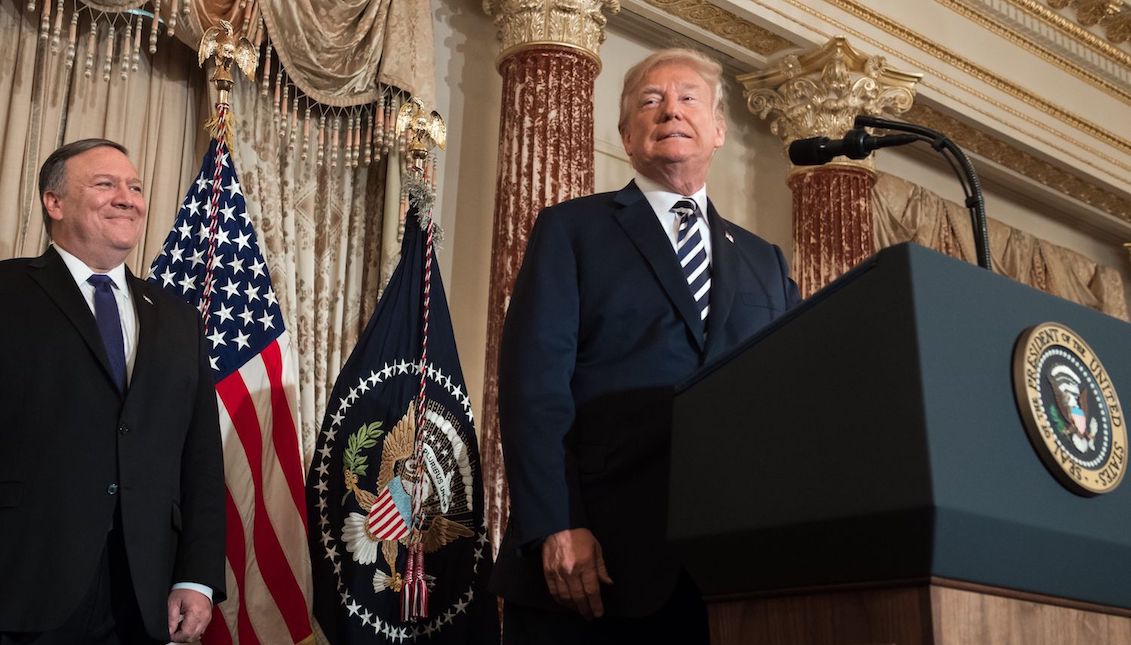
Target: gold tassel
column 305, row 132
column 172, row 31
column 435, row 173
column 368, row 137
column 334, row 139
column 263, row 84
column 321, row 138
column 379, row 131
column 108, row 61
column 57, row 32
column 283, row 105
column 153, row 28
column 91, row 43
column 127, row 38
column 137, row 47
column 45, row 21
column 355, row 139
column 278, row 93
column 72, row 40
column 387, row 135
column 293, row 126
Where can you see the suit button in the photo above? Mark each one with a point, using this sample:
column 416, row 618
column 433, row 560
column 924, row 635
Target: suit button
column 112, row 489
column 123, row 429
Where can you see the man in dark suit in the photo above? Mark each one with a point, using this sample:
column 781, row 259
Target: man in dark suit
column 621, row 296
column 111, row 470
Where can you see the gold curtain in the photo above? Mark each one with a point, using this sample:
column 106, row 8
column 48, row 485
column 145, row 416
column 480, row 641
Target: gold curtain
column 155, row 111
column 903, row 211
column 322, row 230
column 340, row 53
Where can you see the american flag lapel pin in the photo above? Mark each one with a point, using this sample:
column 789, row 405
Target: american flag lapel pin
column 728, row 236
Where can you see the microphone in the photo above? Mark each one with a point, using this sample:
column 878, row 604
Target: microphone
column 856, row 144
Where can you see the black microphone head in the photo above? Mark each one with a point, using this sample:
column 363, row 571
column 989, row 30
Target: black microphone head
column 810, row 152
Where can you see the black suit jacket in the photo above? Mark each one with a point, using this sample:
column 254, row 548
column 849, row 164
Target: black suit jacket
column 601, row 326
column 67, row 436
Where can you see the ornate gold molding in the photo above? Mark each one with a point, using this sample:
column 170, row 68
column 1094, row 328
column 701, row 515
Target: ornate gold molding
column 1113, row 15
column 821, row 92
column 724, row 24
column 1067, row 26
column 1006, row 155
column 578, row 24
column 978, row 15
column 944, row 54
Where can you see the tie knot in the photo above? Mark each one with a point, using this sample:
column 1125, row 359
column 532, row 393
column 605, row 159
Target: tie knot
column 101, row 281
column 686, row 209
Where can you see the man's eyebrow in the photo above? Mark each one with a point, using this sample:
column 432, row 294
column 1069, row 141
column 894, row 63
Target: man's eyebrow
column 107, row 175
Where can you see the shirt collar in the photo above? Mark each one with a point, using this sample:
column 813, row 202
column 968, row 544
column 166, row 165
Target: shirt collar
column 80, row 271
column 662, row 199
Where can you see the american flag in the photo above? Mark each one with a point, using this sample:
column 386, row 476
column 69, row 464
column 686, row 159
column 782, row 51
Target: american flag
column 268, row 564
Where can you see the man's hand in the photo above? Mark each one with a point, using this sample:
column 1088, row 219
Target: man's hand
column 189, row 613
column 574, row 568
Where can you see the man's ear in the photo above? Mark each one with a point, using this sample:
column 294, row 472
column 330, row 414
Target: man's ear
column 53, row 204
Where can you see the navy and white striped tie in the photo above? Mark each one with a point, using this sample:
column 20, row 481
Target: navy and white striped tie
column 692, row 253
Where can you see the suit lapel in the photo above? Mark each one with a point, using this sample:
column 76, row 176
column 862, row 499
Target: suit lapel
column 52, row 274
column 724, row 275
column 639, row 221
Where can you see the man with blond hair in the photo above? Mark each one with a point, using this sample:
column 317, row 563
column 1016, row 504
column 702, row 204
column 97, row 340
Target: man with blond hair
column 621, row 296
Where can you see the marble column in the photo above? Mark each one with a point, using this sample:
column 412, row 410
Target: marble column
column 549, row 61
column 820, row 93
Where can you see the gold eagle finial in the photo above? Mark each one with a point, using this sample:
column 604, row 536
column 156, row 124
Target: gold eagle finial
column 221, row 41
column 424, row 130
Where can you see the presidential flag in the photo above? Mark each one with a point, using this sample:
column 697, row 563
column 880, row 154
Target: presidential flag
column 212, row 259
column 394, row 494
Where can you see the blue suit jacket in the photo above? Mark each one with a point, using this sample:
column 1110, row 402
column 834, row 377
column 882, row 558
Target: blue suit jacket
column 600, row 327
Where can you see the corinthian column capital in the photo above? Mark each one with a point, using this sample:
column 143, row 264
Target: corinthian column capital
column 578, row 24
column 820, row 93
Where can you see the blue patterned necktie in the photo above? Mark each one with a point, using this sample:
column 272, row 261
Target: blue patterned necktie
column 110, row 326
column 692, row 253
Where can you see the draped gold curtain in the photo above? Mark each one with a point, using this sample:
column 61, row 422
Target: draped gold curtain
column 903, row 211
column 156, row 112
column 328, row 226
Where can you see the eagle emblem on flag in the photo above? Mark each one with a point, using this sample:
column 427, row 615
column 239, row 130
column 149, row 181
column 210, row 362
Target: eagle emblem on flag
column 388, row 517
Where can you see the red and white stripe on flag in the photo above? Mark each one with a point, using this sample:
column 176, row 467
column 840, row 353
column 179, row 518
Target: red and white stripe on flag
column 268, row 564
column 384, row 521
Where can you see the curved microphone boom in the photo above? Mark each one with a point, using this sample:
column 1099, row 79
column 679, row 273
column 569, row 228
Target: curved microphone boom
column 967, row 176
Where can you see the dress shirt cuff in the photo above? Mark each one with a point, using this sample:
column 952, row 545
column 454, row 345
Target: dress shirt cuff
column 204, row 589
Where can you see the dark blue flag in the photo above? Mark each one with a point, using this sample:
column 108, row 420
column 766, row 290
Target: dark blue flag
column 381, row 481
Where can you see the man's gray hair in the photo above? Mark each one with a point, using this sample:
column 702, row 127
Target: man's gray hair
column 708, row 68
column 52, row 174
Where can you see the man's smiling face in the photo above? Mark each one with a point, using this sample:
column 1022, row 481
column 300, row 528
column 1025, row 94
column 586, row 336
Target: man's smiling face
column 672, row 126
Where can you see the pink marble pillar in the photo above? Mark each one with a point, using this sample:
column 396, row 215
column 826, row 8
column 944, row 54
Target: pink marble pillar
column 545, row 156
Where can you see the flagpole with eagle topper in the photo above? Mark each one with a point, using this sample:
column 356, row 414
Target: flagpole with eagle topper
column 268, row 573
column 421, row 131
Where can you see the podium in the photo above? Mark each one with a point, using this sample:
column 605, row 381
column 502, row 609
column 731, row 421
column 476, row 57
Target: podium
column 859, row 472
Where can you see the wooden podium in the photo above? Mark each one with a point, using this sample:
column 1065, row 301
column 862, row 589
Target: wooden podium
column 859, row 473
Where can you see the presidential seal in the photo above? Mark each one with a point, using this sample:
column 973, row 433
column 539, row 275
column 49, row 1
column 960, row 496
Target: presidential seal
column 1070, row 409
